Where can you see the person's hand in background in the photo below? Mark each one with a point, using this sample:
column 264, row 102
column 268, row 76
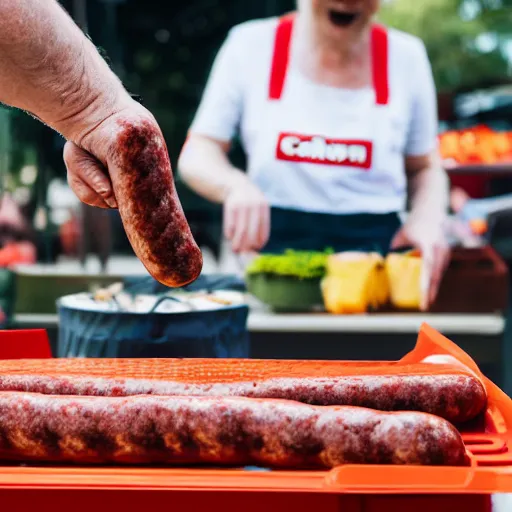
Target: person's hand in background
column 424, row 229
column 246, row 217
column 206, row 169
column 435, row 254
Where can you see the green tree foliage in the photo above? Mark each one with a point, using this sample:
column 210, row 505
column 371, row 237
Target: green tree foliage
column 466, row 40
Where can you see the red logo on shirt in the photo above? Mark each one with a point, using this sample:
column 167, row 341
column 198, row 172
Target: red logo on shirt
column 315, row 149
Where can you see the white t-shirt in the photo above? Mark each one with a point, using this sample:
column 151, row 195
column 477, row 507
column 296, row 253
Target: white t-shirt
column 322, row 119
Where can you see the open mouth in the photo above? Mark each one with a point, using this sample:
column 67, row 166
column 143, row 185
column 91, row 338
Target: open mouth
column 342, row 19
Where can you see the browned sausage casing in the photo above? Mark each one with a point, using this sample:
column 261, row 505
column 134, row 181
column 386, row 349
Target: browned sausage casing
column 149, row 205
column 219, row 430
column 455, row 397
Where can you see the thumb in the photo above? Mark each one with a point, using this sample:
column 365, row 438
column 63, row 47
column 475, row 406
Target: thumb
column 88, row 178
column 399, row 240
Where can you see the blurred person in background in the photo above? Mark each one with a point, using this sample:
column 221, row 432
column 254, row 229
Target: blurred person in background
column 17, row 239
column 338, row 119
column 82, row 230
column 64, row 207
column 477, row 210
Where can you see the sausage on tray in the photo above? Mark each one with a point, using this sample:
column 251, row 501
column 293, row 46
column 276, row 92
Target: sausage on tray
column 218, row 430
column 149, row 206
column 457, row 397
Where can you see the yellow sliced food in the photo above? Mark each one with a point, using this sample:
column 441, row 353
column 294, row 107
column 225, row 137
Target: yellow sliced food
column 354, row 283
column 403, row 274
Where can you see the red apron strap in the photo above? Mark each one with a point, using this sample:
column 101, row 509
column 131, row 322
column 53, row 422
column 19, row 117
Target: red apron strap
column 380, row 64
column 281, row 55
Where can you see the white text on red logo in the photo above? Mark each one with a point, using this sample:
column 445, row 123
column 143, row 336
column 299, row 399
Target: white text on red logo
column 320, row 150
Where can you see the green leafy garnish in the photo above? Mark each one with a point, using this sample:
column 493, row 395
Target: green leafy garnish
column 300, row 264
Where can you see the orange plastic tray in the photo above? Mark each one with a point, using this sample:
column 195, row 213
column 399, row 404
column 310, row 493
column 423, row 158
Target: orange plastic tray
column 489, row 440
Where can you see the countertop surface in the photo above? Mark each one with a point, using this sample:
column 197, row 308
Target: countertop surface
column 265, row 321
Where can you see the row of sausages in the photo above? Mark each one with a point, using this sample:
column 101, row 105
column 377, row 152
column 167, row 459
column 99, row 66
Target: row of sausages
column 346, row 419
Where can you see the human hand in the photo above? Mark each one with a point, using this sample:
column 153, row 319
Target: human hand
column 246, row 217
column 435, row 254
column 90, row 157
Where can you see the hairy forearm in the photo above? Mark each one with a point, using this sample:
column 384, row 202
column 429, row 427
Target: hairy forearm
column 429, row 192
column 50, row 69
column 206, row 169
